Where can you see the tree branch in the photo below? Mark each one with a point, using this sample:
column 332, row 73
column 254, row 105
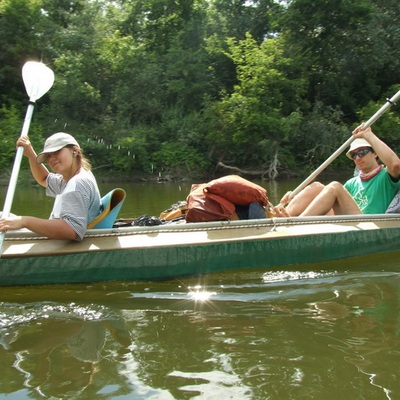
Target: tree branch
column 271, row 171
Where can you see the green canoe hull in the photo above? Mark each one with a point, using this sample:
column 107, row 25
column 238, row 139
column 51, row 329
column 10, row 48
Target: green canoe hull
column 164, row 252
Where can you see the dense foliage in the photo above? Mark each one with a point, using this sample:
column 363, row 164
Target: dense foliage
column 198, row 88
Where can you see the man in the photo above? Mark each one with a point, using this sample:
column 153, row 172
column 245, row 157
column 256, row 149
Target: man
column 368, row 193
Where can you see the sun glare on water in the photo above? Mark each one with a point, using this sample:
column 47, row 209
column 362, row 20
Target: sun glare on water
column 197, row 293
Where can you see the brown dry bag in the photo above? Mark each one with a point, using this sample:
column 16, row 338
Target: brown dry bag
column 238, row 190
column 205, row 206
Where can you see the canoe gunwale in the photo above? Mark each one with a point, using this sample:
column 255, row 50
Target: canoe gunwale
column 217, row 225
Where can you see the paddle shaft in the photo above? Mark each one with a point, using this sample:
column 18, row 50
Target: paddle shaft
column 382, row 110
column 17, row 164
column 15, row 171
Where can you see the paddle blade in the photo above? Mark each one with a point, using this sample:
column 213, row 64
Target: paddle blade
column 38, row 79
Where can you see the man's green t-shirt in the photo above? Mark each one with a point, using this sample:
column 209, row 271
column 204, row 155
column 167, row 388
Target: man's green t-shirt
column 373, row 196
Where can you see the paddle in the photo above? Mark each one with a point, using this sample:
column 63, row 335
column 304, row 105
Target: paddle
column 344, row 146
column 38, row 79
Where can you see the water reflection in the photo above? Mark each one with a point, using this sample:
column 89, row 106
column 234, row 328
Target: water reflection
column 53, row 353
column 369, row 315
column 254, row 335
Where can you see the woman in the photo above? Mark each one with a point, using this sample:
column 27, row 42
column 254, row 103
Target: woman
column 77, row 196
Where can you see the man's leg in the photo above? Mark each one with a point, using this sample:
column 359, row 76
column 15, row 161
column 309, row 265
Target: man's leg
column 301, row 201
column 333, row 197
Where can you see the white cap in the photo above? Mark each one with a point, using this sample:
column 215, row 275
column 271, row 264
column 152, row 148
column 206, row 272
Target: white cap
column 54, row 143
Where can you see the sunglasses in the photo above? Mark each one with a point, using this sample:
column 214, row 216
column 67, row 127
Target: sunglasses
column 360, row 153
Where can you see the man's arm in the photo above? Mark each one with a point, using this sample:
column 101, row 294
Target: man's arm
column 383, row 151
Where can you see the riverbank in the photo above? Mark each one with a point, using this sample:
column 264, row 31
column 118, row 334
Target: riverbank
column 25, row 177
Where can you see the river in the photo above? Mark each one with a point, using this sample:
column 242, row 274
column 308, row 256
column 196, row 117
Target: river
column 324, row 331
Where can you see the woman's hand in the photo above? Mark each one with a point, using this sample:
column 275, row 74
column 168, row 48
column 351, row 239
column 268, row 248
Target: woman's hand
column 11, row 224
column 25, row 142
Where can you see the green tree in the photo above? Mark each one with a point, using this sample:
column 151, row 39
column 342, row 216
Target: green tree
column 250, row 124
column 261, row 85
column 241, row 17
column 324, row 38
column 18, row 43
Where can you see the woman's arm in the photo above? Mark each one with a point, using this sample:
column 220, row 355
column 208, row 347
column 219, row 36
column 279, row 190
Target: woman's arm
column 51, row 228
column 39, row 171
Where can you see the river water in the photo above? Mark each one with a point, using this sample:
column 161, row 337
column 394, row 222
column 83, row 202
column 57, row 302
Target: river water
column 323, row 331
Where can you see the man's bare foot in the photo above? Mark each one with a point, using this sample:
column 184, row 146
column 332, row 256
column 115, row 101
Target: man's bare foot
column 280, row 211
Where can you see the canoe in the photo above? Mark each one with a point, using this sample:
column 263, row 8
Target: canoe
column 176, row 250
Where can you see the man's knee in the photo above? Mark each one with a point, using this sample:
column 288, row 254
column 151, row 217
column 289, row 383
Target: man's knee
column 316, row 185
column 335, row 188
column 314, row 189
column 336, row 185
